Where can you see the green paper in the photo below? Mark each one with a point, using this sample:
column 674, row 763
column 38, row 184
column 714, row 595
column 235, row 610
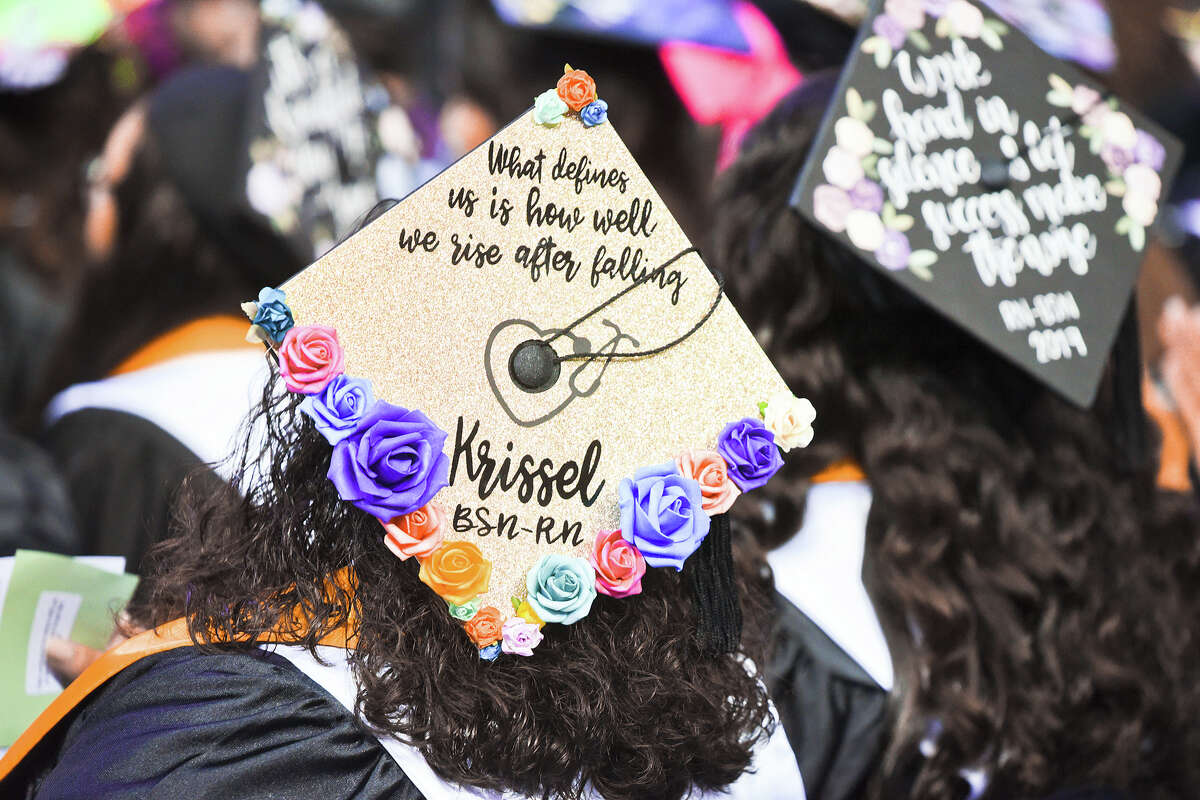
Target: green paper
column 50, row 590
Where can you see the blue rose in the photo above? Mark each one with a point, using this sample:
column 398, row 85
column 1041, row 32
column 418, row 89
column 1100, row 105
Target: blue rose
column 749, row 450
column 662, row 514
column 337, row 408
column 594, row 113
column 490, row 653
column 273, row 315
column 561, row 588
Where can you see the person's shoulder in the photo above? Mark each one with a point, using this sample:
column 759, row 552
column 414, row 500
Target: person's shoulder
column 188, row 723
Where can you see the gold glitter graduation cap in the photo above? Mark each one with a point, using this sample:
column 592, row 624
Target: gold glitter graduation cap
column 529, row 376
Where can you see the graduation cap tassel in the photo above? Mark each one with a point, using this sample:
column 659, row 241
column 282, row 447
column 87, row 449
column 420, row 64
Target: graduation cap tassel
column 714, row 590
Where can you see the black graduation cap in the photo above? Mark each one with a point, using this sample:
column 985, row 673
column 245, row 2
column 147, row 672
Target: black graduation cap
column 998, row 184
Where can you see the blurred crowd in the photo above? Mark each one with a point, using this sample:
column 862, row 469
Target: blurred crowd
column 163, row 160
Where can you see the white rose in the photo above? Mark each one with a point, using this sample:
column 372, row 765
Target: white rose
column 1140, row 208
column 1117, row 130
column 854, row 135
column 790, row 418
column 865, row 229
column 1142, row 181
column 965, row 19
column 842, row 168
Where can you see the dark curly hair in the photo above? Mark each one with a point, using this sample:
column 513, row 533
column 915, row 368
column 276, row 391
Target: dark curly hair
column 1039, row 600
column 624, row 701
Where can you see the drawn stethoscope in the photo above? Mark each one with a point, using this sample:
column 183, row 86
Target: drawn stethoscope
column 506, row 340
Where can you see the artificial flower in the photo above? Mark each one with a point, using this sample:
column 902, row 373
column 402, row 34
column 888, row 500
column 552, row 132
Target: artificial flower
column 484, row 626
column 272, row 315
column 594, row 113
column 548, row 108
column 336, row 409
column 831, row 205
column 491, row 652
column 749, row 449
column 707, row 468
column 789, row 419
column 576, row 88
column 417, row 533
column 618, row 564
column 464, row 612
column 662, row 514
column 520, row 636
column 309, row 358
column 561, row 588
column 392, row 464
column 457, row 571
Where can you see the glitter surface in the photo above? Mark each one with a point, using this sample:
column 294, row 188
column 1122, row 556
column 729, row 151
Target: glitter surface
column 418, row 326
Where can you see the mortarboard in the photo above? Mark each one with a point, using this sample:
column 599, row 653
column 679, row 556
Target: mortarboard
column 994, row 182
column 529, row 376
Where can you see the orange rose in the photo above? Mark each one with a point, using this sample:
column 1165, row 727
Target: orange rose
column 457, row 571
column 709, row 469
column 576, row 88
column 485, row 627
column 415, row 534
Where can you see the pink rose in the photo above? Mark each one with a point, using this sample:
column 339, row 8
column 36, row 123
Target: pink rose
column 707, row 468
column 309, row 358
column 830, row 207
column 618, row 564
column 417, row 534
column 909, row 13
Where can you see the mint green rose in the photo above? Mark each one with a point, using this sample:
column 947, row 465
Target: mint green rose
column 548, row 108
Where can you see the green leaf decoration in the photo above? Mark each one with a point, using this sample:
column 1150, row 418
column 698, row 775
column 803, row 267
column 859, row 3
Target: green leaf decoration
column 516, row 601
column 921, row 272
column 1137, row 237
column 888, row 214
column 996, row 25
column 868, row 110
column 1112, row 103
column 1057, row 98
column 1086, row 131
column 854, row 103
column 1095, row 144
column 1123, row 225
column 991, row 38
column 1060, row 83
column 1115, row 187
column 883, row 56
column 882, row 146
column 871, row 44
column 919, row 40
column 902, row 223
column 943, row 28
column 869, row 165
column 762, row 408
column 921, row 260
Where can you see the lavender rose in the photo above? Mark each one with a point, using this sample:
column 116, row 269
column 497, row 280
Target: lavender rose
column 894, row 252
column 337, row 408
column 830, row 207
column 662, row 514
column 749, row 450
column 891, row 30
column 1116, row 158
column 867, row 195
column 392, row 464
column 1149, row 151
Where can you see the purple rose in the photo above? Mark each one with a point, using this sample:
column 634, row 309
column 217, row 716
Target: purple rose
column 1149, row 151
column 891, row 30
column 894, row 251
column 749, row 450
column 662, row 515
column 867, row 195
column 337, row 408
column 392, row 464
column 1117, row 158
